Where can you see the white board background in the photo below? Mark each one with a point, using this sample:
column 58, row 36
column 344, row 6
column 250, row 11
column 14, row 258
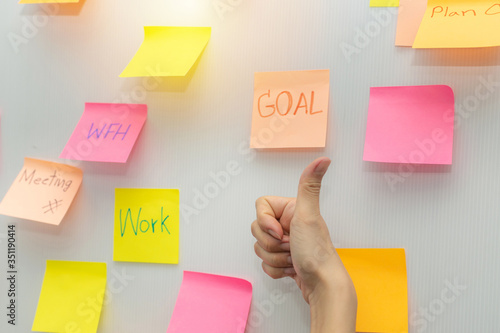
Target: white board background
column 446, row 218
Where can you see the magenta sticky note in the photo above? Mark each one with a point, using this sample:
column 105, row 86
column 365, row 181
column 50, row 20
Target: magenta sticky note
column 211, row 304
column 411, row 124
column 106, row 132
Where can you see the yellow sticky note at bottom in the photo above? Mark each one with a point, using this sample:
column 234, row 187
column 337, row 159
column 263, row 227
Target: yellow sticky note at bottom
column 384, row 3
column 379, row 276
column 146, row 225
column 71, row 297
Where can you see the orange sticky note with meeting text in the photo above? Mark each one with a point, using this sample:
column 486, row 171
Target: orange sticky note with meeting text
column 290, row 109
column 379, row 276
column 43, row 191
column 459, row 24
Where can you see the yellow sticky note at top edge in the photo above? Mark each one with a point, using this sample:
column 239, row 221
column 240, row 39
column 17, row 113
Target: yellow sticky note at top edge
column 43, row 191
column 49, row 1
column 71, row 297
column 459, row 24
column 384, row 3
column 379, row 276
column 146, row 227
column 290, row 109
column 168, row 51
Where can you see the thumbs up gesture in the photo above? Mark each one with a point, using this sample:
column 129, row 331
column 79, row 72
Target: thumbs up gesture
column 293, row 240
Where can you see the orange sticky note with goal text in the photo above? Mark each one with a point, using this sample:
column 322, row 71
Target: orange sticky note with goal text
column 290, row 109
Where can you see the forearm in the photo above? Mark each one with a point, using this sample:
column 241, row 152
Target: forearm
column 333, row 307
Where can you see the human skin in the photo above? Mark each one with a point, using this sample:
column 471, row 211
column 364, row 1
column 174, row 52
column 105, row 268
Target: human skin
column 293, row 241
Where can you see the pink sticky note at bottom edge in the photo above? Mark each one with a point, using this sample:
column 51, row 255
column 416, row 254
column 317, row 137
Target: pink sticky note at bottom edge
column 211, row 303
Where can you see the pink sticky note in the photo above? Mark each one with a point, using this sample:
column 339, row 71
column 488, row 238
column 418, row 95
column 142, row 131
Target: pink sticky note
column 211, row 304
column 106, row 132
column 411, row 124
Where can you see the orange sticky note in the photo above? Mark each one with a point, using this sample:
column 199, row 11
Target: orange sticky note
column 459, row 24
column 43, row 191
column 379, row 276
column 290, row 109
column 410, row 16
column 49, row 1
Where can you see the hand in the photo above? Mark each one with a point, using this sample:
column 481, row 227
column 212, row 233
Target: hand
column 293, row 240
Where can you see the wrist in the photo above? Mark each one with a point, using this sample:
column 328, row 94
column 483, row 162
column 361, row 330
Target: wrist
column 333, row 303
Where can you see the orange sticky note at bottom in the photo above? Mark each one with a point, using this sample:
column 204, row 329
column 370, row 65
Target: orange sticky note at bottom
column 379, row 276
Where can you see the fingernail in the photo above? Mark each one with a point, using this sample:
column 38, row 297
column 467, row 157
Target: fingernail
column 289, row 271
column 274, row 234
column 285, row 246
column 289, row 260
column 322, row 167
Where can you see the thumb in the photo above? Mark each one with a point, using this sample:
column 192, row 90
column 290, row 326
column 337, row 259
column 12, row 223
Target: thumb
column 309, row 187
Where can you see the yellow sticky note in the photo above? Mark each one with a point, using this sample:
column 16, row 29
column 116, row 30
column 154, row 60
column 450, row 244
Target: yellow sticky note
column 379, row 276
column 168, row 51
column 459, row 24
column 146, row 225
column 384, row 3
column 49, row 1
column 43, row 191
column 290, row 109
column 71, row 298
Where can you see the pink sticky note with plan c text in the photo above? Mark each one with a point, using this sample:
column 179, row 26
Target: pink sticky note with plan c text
column 106, row 132
column 411, row 124
column 211, row 304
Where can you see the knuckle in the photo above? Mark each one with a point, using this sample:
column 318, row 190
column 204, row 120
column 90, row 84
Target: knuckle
column 259, row 200
column 266, row 245
column 270, row 271
column 275, row 261
column 311, row 187
column 308, row 219
column 257, row 249
column 253, row 227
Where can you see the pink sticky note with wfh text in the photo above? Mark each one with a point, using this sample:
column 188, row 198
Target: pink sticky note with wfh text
column 211, row 304
column 412, row 124
column 106, row 132
column 43, row 191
